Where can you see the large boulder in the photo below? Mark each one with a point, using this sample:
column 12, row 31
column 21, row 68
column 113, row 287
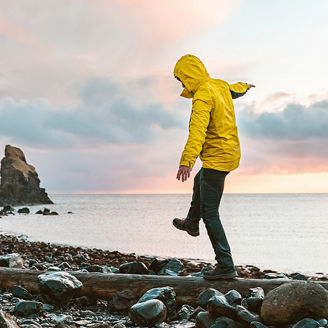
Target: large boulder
column 20, row 183
column 7, row 321
column 148, row 313
column 58, row 287
column 205, row 295
column 294, row 301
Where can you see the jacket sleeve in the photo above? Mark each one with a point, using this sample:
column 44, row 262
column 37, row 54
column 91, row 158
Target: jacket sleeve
column 198, row 124
column 238, row 89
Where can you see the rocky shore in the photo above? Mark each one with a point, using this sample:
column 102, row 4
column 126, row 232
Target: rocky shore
column 56, row 307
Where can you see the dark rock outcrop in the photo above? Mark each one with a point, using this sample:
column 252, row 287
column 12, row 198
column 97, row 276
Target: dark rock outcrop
column 20, row 183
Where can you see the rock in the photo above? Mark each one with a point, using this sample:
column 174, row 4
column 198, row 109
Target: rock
column 156, row 265
column 275, row 275
column 205, row 295
column 148, row 313
column 8, row 208
column 178, row 324
column 298, row 276
column 20, row 183
column 233, row 297
column 245, row 315
column 171, row 268
column 58, row 287
column 39, row 212
column 25, row 308
column 307, row 323
column 98, row 268
column 123, row 300
column 13, row 260
column 323, row 322
column 134, row 268
column 24, row 210
column 224, row 322
column 7, row 321
column 21, row 292
column 254, row 299
column 257, row 324
column 119, row 325
column 53, row 213
column 204, row 320
column 294, row 301
column 218, row 306
column 186, row 312
column 164, row 294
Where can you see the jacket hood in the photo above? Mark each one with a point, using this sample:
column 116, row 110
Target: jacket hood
column 192, row 73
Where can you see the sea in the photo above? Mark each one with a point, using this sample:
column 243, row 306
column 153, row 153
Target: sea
column 282, row 232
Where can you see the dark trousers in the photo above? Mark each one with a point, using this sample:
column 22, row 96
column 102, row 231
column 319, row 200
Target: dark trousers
column 207, row 193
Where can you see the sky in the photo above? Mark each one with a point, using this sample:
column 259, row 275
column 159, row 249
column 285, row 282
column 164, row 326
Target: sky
column 87, row 90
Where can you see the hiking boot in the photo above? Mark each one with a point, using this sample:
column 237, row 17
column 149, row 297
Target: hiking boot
column 191, row 227
column 220, row 273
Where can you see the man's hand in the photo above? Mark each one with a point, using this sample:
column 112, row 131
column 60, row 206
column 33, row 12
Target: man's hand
column 183, row 173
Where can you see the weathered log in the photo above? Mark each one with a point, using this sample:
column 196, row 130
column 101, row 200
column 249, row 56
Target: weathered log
column 103, row 285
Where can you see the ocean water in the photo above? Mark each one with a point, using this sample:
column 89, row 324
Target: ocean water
column 284, row 232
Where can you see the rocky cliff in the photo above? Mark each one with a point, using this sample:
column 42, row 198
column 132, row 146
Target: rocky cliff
column 20, row 184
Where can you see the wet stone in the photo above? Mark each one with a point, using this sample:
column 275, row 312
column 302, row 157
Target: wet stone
column 134, row 268
column 204, row 320
column 233, row 297
column 254, row 299
column 30, row 323
column 323, row 322
column 186, row 312
column 205, row 295
column 218, row 306
column 171, row 268
column 13, row 260
column 156, row 265
column 307, row 323
column 58, row 287
column 25, row 308
column 245, row 315
column 164, row 294
column 21, row 292
column 148, row 313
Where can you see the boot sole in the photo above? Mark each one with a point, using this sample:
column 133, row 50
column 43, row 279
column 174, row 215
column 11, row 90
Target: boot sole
column 232, row 276
column 193, row 234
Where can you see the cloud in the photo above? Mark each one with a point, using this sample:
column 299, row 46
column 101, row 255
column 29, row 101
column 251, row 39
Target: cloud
column 295, row 122
column 106, row 114
column 294, row 140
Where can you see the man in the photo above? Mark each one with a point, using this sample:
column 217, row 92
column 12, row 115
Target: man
column 213, row 137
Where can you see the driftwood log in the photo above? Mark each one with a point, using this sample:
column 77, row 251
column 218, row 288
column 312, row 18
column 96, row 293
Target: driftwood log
column 103, row 285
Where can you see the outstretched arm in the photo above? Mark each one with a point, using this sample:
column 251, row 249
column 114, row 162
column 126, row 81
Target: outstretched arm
column 239, row 89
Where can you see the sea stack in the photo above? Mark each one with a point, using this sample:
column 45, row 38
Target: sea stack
column 20, row 184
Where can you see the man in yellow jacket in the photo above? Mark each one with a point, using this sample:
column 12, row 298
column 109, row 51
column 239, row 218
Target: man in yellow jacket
column 213, row 137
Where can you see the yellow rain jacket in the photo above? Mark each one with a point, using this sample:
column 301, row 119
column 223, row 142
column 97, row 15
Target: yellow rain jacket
column 213, row 134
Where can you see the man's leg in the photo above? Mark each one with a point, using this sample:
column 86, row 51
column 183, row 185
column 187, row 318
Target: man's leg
column 191, row 223
column 211, row 190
